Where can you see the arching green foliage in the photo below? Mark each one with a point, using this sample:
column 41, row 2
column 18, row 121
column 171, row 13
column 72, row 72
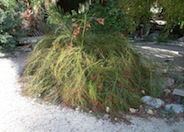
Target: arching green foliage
column 96, row 71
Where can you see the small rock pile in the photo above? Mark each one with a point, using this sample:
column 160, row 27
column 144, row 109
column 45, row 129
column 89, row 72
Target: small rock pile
column 167, row 106
column 156, row 103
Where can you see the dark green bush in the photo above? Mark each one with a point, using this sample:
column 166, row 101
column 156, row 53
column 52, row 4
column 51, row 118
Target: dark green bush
column 115, row 19
column 10, row 26
column 173, row 13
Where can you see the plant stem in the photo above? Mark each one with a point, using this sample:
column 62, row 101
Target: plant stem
column 84, row 28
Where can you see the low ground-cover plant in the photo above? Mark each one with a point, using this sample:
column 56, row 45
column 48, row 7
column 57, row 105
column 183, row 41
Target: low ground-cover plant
column 95, row 71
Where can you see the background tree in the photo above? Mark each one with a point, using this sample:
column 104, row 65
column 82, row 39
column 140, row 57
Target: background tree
column 139, row 11
column 173, row 13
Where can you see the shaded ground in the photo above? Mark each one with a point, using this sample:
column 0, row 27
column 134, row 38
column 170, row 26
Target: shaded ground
column 21, row 114
column 166, row 55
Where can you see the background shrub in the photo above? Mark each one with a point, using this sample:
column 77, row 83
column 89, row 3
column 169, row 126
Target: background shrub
column 169, row 11
column 10, row 24
column 115, row 19
column 172, row 13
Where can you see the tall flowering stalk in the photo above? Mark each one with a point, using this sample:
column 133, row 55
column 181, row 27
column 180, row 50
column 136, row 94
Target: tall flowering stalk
column 81, row 26
column 84, row 29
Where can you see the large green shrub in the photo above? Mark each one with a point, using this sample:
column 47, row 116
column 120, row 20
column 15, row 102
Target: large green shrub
column 10, row 24
column 115, row 19
column 139, row 12
column 80, row 68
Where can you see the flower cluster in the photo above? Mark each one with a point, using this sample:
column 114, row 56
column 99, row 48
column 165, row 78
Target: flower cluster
column 78, row 27
column 100, row 21
column 88, row 26
column 77, row 32
column 75, row 25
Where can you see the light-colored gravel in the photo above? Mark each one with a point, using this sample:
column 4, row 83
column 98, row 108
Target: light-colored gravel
column 21, row 114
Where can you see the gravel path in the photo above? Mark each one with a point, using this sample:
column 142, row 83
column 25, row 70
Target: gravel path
column 21, row 114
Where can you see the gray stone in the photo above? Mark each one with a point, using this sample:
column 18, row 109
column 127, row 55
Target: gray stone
column 167, row 91
column 179, row 92
column 177, row 108
column 16, row 53
column 181, row 39
column 169, row 82
column 153, row 36
column 25, row 40
column 153, row 102
column 27, row 50
column 180, row 44
column 106, row 117
column 170, row 120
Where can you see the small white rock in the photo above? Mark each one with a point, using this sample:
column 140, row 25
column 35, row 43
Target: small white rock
column 143, row 91
column 2, row 55
column 149, row 111
column 163, row 71
column 34, row 99
column 132, row 110
column 77, row 108
column 167, row 91
column 107, row 109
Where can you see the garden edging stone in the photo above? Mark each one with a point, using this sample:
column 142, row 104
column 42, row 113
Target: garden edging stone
column 176, row 108
column 153, row 102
